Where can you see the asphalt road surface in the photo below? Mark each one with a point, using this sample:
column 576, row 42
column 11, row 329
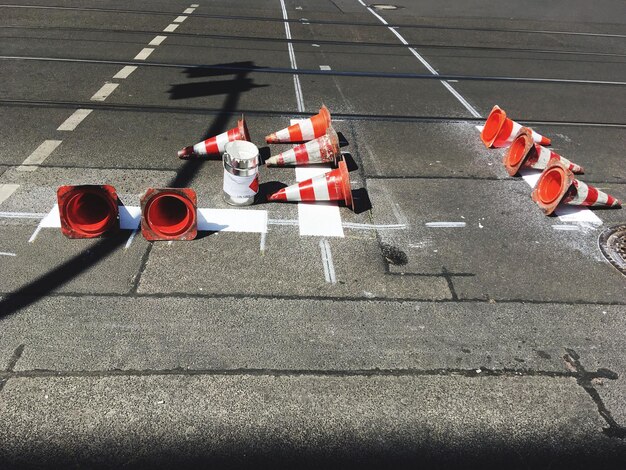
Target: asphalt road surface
column 445, row 323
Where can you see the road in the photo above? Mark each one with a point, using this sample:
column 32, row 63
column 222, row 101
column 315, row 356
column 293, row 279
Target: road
column 446, row 322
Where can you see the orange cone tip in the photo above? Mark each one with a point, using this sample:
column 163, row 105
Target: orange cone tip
column 304, row 130
column 215, row 145
column 499, row 130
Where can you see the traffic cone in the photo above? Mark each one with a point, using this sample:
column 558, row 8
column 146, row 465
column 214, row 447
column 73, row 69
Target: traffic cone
column 332, row 186
column 304, row 130
column 557, row 184
column 525, row 153
column 499, row 130
column 169, row 214
column 324, row 149
column 215, row 145
column 88, row 211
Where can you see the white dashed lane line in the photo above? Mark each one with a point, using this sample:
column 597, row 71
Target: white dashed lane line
column 74, row 120
column 189, row 11
column 170, row 28
column 324, row 67
column 125, row 72
column 144, row 53
column 104, row 92
column 180, row 19
column 157, row 40
column 7, row 190
column 39, row 155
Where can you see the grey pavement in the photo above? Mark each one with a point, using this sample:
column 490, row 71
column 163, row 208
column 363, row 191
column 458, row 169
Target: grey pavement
column 452, row 326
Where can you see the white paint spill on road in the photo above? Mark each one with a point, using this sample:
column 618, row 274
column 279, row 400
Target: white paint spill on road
column 327, row 262
column 180, row 19
column 325, row 67
column 125, row 72
column 170, row 28
column 74, row 120
column 7, row 190
column 157, row 40
column 144, row 53
column 189, row 11
column 445, row 224
column 292, row 59
column 104, row 92
column 6, row 253
column 39, row 155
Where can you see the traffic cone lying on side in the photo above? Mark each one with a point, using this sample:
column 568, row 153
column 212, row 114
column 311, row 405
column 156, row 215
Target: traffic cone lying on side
column 324, row 149
column 169, row 214
column 557, row 184
column 332, row 186
column 499, row 130
column 304, row 130
column 88, row 211
column 215, row 145
column 525, row 153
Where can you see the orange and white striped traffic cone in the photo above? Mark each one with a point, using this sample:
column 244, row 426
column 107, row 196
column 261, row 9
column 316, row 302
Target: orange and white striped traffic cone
column 557, row 184
column 215, row 145
column 324, row 149
column 169, row 214
column 332, row 186
column 304, row 130
column 88, row 211
column 499, row 130
column 525, row 153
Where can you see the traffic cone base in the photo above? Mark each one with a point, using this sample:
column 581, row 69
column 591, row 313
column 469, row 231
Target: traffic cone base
column 499, row 130
column 215, row 145
column 557, row 184
column 304, row 130
column 525, row 153
column 332, row 186
column 169, row 214
column 88, row 211
column 324, row 149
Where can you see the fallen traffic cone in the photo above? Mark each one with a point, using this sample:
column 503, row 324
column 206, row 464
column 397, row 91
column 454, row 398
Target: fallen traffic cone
column 324, row 149
column 525, row 153
column 88, row 211
column 557, row 184
column 499, row 130
column 332, row 186
column 304, row 130
column 169, row 214
column 215, row 145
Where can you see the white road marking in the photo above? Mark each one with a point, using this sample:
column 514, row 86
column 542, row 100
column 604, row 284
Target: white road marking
column 325, row 67
column 35, row 233
column 144, row 53
column 566, row 228
column 327, row 262
column 7, row 190
column 180, row 19
column 157, row 40
column 39, row 155
column 445, row 224
column 292, row 59
column 194, row 5
column 5, row 253
column 133, row 234
column 104, row 92
column 125, row 72
column 22, row 215
column 74, row 120
column 189, row 11
column 262, row 243
column 170, row 28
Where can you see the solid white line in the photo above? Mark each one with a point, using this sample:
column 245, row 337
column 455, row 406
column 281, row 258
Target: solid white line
column 144, row 53
column 180, row 19
column 74, row 120
column 22, row 215
column 325, row 67
column 292, row 59
column 7, row 190
column 262, row 243
column 445, row 224
column 157, row 40
column 566, row 228
column 39, row 155
column 131, row 238
column 125, row 72
column 5, row 253
column 35, row 233
column 104, row 92
column 189, row 11
column 170, row 28
column 327, row 262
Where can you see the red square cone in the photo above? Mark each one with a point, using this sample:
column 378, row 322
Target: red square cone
column 215, row 145
column 332, row 186
column 88, row 211
column 499, row 130
column 324, row 149
column 303, row 131
column 169, row 214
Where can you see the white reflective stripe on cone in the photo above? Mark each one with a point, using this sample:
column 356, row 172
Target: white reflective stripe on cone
column 308, row 132
column 321, row 189
column 222, row 140
column 283, row 135
column 313, row 148
column 200, row 148
column 544, row 156
column 603, row 198
column 582, row 190
column 293, row 193
column 537, row 137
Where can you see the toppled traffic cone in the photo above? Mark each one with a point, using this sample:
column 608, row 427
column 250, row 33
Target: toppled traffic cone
column 499, row 130
column 557, row 184
column 215, row 145
column 324, row 149
column 525, row 153
column 332, row 186
column 304, row 130
column 88, row 211
column 169, row 214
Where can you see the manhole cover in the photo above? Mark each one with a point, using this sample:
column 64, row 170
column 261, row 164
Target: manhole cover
column 613, row 246
column 384, row 6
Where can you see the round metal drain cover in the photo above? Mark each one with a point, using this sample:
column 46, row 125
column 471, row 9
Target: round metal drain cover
column 384, row 6
column 613, row 246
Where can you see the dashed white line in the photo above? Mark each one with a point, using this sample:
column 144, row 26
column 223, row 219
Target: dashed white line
column 292, row 59
column 170, row 28
column 445, row 224
column 39, row 155
column 327, row 262
column 7, row 190
column 157, row 40
column 180, row 19
column 189, row 11
column 324, row 67
column 125, row 72
column 104, row 92
column 194, row 5
column 74, row 120
column 144, row 53
column 5, row 253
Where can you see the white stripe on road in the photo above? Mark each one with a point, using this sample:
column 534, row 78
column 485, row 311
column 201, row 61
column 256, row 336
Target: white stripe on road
column 157, row 40
column 39, row 155
column 125, row 72
column 7, row 190
column 5, row 253
column 22, row 215
column 74, row 120
column 133, row 234
column 194, row 5
column 292, row 59
column 180, row 19
column 324, row 67
column 104, row 92
column 144, row 53
column 170, row 28
column 445, row 224
column 189, row 11
column 327, row 262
